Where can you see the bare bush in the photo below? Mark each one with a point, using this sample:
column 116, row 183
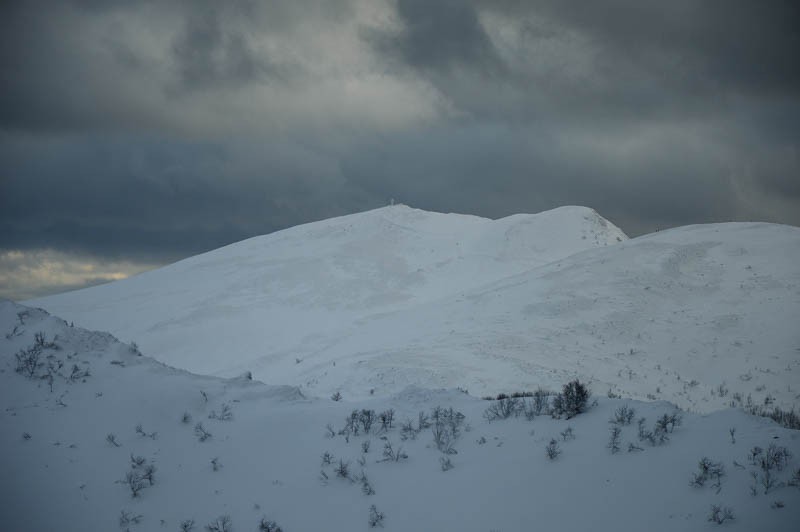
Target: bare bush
column 225, row 413
column 366, row 486
column 28, row 361
column 614, row 439
column 423, row 422
column 503, row 409
column 367, row 419
column 112, row 439
column 201, row 433
column 446, row 428
column 135, row 482
column 386, row 418
column 708, row 470
column 392, row 455
column 719, row 515
column 141, row 432
column 445, row 463
column 220, row 524
column 552, row 450
column 266, row 525
column 127, row 519
column 187, row 525
column 375, row 517
column 623, row 415
column 407, row 431
column 336, row 396
column 343, row 469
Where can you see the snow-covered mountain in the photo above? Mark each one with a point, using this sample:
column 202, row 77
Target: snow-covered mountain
column 376, row 301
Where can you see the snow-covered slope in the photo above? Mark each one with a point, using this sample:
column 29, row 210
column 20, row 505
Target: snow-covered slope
column 68, row 445
column 397, row 296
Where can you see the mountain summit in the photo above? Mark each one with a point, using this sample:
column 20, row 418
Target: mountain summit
column 375, row 301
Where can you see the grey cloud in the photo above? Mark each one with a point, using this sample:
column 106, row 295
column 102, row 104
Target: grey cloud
column 209, row 54
column 436, row 36
column 154, row 200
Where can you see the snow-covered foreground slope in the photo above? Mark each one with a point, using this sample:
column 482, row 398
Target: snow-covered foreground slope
column 62, row 473
column 396, row 296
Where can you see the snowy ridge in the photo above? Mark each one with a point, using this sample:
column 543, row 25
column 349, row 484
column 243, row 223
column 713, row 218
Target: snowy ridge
column 377, row 301
column 69, row 445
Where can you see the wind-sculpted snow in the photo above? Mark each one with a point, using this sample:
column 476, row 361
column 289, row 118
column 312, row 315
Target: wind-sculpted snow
column 118, row 441
column 367, row 304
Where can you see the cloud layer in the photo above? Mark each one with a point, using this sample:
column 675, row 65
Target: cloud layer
column 148, row 131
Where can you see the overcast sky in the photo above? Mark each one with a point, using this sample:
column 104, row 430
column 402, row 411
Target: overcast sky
column 135, row 133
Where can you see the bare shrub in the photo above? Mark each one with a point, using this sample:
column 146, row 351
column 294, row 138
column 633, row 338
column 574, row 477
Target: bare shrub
column 375, row 517
column 392, row 455
column 112, row 439
column 623, row 415
column 552, row 450
column 614, row 439
column 503, row 409
column 187, row 525
column 407, row 431
column 266, row 525
column 367, row 419
column 220, row 524
column 423, row 422
column 135, row 482
column 141, row 432
column 446, row 428
column 719, row 515
column 445, row 463
column 343, row 469
column 386, row 418
column 201, row 433
column 366, row 486
column 708, row 470
column 28, row 361
column 127, row 519
column 225, row 413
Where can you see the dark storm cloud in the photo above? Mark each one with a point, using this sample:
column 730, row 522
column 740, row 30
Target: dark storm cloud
column 727, row 45
column 437, row 36
column 147, row 131
column 622, row 59
column 155, row 200
column 207, row 54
